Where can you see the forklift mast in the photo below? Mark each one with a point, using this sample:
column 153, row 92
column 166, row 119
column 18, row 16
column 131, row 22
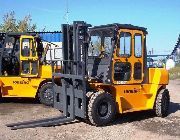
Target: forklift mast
column 70, row 97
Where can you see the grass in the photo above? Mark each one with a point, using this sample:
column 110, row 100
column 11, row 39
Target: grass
column 174, row 73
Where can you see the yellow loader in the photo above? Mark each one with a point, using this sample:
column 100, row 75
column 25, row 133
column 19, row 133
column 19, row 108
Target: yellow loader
column 23, row 69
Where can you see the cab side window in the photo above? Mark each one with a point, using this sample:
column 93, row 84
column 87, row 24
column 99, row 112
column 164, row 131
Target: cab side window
column 137, row 71
column 122, row 71
column 138, row 54
column 125, row 44
column 26, row 47
column 138, row 45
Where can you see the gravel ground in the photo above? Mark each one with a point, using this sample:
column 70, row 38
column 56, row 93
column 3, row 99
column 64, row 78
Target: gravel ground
column 131, row 126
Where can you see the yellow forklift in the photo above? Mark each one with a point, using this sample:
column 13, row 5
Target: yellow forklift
column 104, row 72
column 23, row 68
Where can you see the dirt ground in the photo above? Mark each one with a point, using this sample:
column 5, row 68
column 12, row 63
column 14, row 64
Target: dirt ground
column 131, row 126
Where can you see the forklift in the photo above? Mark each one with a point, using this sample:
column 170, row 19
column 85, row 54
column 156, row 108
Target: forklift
column 103, row 73
column 24, row 72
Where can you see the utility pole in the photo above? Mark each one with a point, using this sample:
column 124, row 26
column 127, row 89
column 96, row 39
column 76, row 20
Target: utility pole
column 67, row 11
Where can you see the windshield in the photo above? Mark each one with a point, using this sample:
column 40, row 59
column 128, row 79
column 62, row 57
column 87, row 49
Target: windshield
column 100, row 43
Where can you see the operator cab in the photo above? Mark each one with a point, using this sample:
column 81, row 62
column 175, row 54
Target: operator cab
column 116, row 53
column 10, row 58
column 20, row 55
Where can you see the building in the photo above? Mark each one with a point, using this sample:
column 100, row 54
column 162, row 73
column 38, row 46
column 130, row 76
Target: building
column 55, row 38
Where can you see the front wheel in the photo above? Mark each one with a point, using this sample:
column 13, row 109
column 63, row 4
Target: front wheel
column 162, row 103
column 101, row 108
column 46, row 94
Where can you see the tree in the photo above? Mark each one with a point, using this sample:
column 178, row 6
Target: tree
column 178, row 64
column 11, row 24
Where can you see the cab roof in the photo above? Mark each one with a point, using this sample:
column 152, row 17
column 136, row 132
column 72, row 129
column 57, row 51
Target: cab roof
column 120, row 26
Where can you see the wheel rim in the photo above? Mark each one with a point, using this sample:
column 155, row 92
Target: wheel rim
column 48, row 95
column 103, row 109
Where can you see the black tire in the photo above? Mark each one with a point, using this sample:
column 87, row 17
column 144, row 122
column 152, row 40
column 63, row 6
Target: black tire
column 1, row 100
column 46, row 94
column 162, row 103
column 101, row 108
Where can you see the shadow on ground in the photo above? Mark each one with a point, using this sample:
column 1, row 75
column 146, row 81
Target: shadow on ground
column 19, row 100
column 142, row 115
column 174, row 107
column 133, row 117
column 11, row 105
column 146, row 120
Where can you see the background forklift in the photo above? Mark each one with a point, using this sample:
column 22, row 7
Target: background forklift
column 103, row 73
column 23, row 69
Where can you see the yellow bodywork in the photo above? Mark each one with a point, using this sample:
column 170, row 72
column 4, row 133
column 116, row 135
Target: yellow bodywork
column 137, row 97
column 20, row 86
column 26, row 84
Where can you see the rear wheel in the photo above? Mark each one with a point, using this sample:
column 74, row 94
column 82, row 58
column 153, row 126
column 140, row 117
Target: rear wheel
column 46, row 94
column 0, row 98
column 162, row 103
column 101, row 108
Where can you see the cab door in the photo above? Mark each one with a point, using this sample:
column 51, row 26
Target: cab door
column 129, row 59
column 29, row 64
column 128, row 70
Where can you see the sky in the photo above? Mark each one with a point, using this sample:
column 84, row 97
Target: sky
column 160, row 17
